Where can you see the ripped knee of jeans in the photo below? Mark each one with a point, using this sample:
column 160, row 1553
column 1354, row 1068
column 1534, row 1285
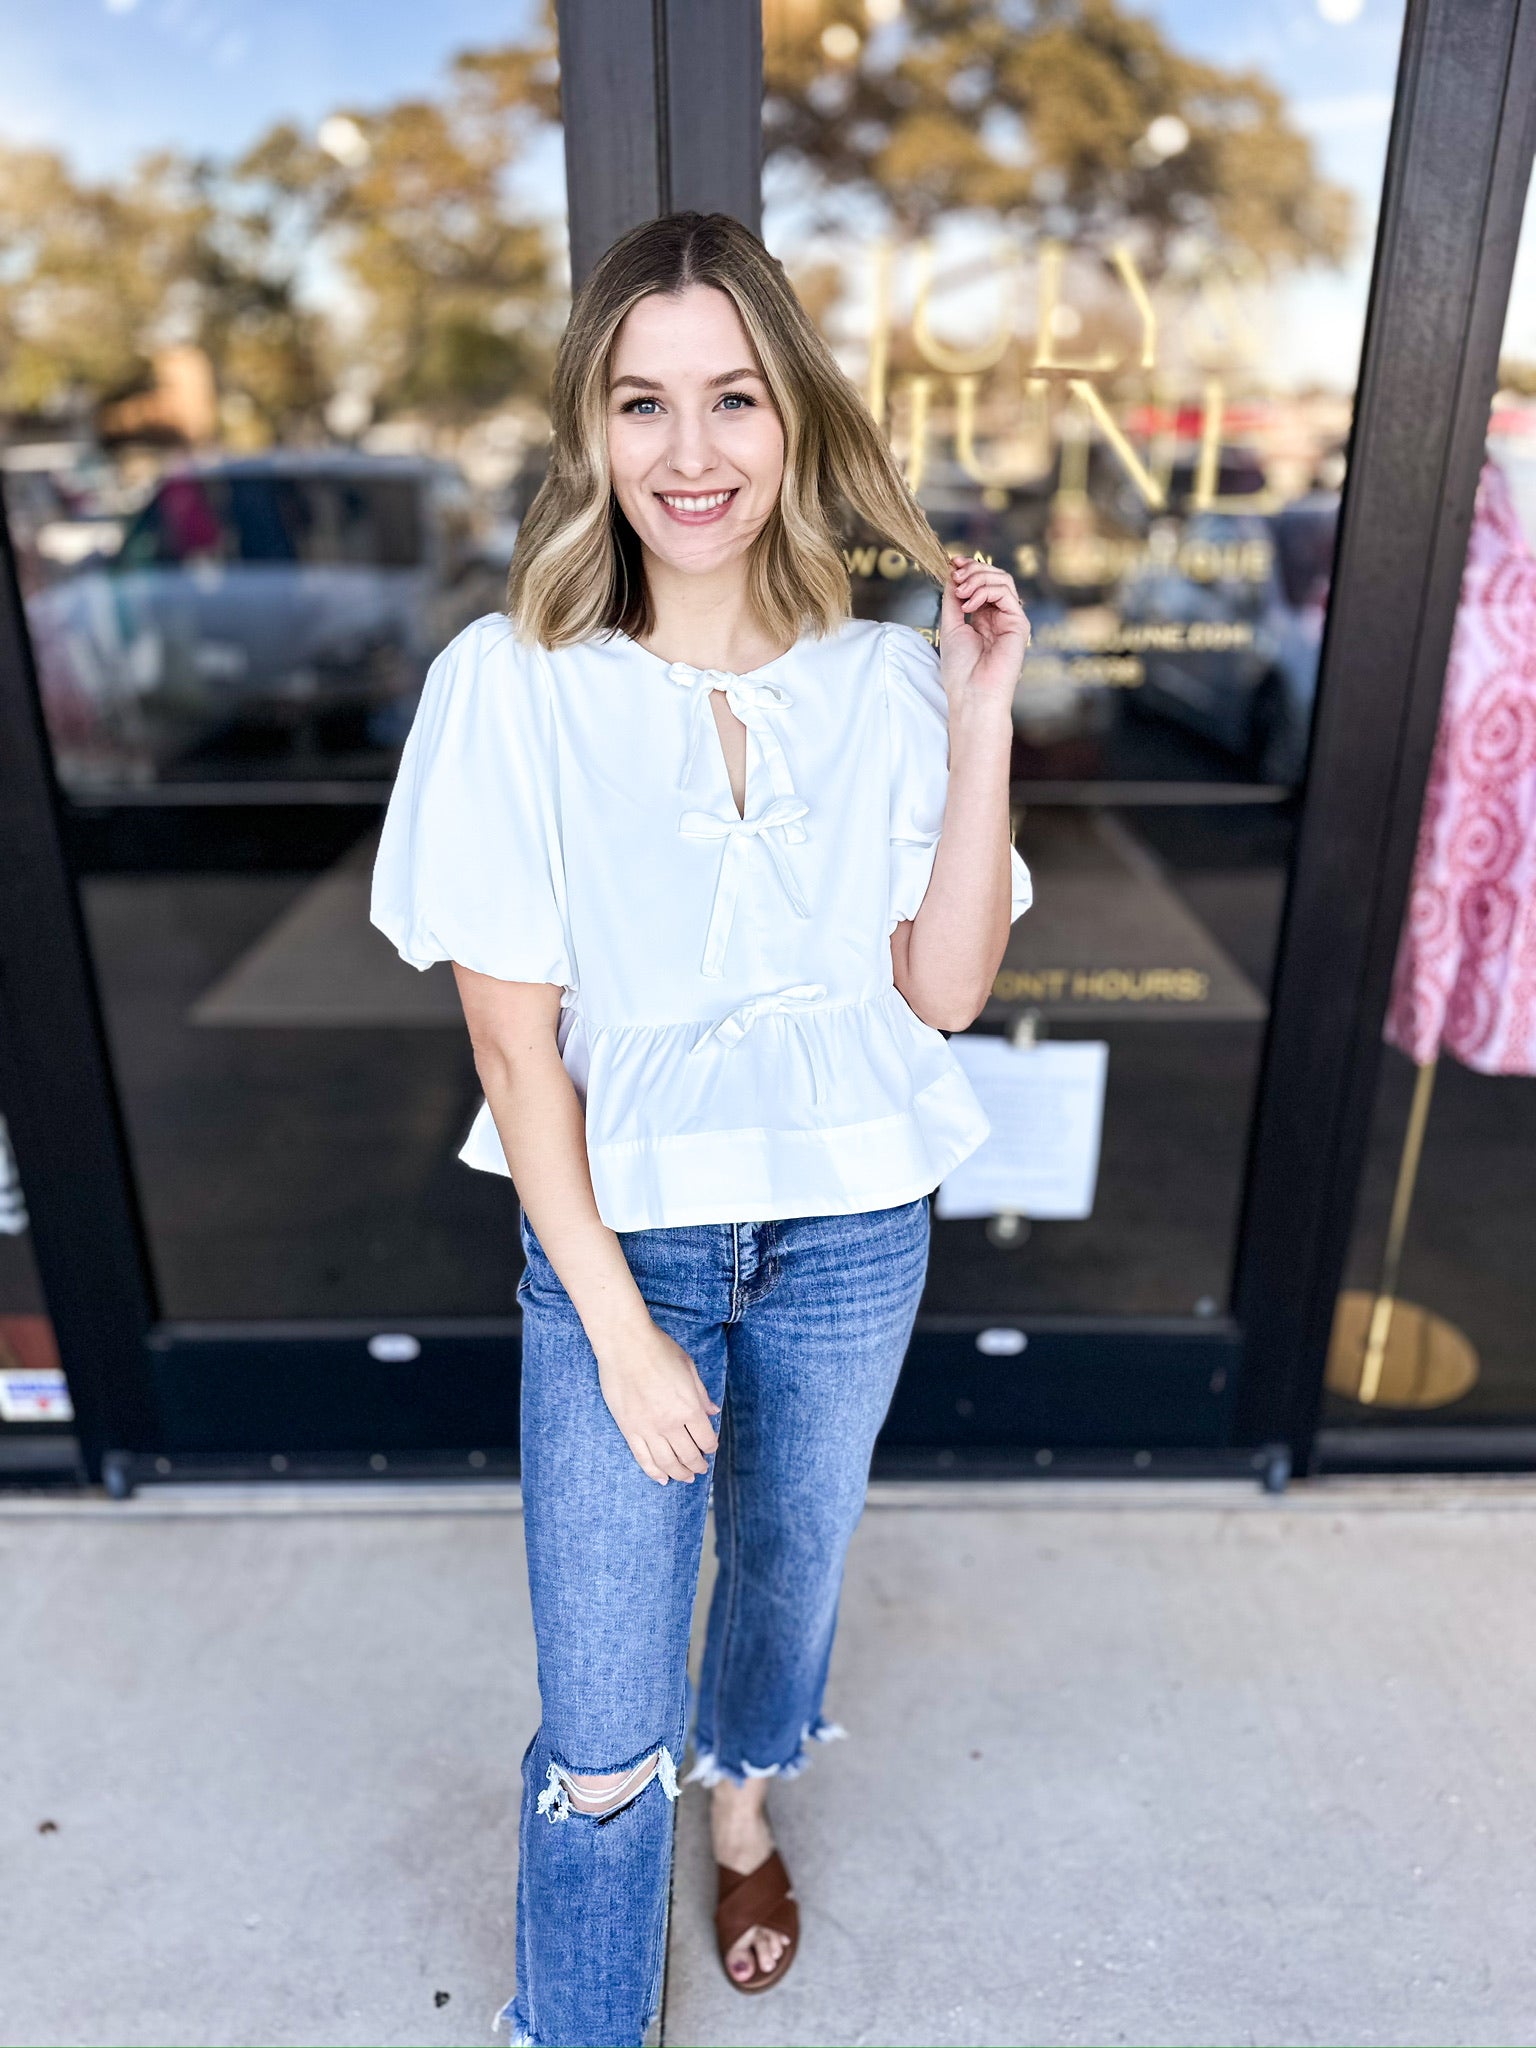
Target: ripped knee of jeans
column 600, row 1795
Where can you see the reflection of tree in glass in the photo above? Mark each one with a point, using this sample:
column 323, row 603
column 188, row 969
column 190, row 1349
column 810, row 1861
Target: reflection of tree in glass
column 453, row 295
column 1074, row 116
column 95, row 276
column 414, row 198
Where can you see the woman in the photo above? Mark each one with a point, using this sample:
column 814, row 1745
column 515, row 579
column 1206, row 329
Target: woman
column 676, row 823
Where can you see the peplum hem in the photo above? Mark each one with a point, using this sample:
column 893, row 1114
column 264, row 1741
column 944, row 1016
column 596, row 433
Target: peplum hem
column 771, row 1124
column 761, row 1176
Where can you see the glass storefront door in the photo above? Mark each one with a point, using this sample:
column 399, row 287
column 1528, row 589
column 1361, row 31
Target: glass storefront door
column 1432, row 1338
column 1103, row 275
column 278, row 311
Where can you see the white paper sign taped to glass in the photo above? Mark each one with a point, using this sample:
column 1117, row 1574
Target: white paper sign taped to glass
column 1045, row 1104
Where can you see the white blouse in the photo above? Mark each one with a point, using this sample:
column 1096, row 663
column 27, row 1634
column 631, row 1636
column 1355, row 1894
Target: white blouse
column 729, row 1018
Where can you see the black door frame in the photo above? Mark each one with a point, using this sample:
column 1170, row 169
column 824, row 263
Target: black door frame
column 661, row 106
column 1458, row 175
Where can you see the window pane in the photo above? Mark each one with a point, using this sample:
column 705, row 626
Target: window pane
column 1102, row 273
column 231, row 257
column 277, row 306
column 1449, row 1285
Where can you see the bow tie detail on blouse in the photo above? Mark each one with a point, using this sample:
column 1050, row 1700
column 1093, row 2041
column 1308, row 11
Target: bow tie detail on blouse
column 738, row 834
column 776, row 824
column 732, row 1028
column 749, row 700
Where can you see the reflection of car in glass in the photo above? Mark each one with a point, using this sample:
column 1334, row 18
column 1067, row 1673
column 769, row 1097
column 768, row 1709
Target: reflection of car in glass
column 1227, row 616
column 277, row 599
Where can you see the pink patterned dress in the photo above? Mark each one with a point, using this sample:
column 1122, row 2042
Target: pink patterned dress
column 1465, row 979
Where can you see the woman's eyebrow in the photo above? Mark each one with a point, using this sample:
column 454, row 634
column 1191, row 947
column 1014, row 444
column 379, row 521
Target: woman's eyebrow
column 712, row 383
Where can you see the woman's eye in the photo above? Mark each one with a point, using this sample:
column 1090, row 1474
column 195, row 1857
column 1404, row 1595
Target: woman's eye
column 646, row 408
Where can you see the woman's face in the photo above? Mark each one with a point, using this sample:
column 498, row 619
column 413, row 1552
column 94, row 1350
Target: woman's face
column 695, row 447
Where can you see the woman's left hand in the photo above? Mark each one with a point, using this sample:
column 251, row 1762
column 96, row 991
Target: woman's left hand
column 983, row 655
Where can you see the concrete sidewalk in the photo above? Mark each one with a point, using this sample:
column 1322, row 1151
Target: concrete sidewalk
column 1143, row 1763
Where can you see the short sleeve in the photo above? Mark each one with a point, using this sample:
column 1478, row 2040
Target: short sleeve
column 917, row 712
column 469, row 865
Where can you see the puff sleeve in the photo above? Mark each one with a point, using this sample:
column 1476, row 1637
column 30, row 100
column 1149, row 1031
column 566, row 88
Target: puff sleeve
column 469, row 865
column 917, row 713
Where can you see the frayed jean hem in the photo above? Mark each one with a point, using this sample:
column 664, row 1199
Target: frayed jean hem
column 709, row 1768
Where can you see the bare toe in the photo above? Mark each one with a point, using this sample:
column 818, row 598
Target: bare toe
column 739, row 1961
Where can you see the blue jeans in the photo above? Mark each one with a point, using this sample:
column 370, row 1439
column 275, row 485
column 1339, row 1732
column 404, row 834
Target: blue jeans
column 799, row 1329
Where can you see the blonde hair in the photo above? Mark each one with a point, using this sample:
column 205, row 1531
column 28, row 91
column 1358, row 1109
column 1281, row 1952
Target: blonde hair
column 577, row 570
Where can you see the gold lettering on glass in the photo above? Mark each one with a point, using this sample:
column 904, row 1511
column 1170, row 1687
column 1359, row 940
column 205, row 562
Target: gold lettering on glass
column 939, row 355
column 1051, row 308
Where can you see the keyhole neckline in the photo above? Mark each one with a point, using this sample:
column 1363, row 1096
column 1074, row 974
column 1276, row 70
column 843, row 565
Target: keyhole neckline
column 718, row 690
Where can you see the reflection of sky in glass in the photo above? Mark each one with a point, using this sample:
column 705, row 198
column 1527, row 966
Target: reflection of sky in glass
column 1338, row 77
column 106, row 80
column 1339, row 80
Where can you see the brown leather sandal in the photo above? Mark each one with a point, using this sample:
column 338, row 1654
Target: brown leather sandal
column 756, row 1898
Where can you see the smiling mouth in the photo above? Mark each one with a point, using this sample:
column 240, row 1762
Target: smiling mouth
column 696, row 508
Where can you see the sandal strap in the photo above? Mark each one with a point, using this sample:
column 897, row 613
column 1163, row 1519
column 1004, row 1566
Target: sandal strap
column 755, row 1898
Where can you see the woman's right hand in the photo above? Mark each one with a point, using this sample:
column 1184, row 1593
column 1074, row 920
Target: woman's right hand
column 651, row 1385
column 662, row 1407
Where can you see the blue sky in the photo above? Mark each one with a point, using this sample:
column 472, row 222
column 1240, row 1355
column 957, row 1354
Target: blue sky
column 104, row 80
